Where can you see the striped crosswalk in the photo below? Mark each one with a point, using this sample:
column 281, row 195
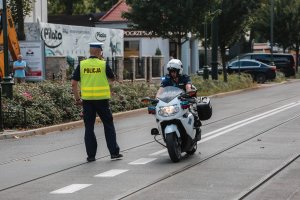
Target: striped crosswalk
column 107, row 174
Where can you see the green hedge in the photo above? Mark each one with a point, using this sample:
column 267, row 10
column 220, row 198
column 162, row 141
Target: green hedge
column 47, row 103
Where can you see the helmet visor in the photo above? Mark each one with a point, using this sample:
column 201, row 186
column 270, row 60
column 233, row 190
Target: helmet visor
column 173, row 70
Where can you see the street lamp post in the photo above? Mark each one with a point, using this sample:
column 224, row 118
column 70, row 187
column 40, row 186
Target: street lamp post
column 214, row 63
column 7, row 80
column 271, row 30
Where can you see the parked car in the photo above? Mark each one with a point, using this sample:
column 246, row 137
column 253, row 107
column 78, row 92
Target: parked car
column 201, row 70
column 259, row 71
column 284, row 63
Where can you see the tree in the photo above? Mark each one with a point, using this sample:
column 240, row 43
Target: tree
column 104, row 5
column 234, row 22
column 71, row 7
column 296, row 29
column 286, row 24
column 171, row 19
column 63, row 6
column 20, row 9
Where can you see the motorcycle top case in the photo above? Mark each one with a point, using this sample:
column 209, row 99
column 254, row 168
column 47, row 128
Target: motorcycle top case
column 204, row 108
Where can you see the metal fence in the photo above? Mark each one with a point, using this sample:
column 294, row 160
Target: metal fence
column 134, row 69
column 14, row 118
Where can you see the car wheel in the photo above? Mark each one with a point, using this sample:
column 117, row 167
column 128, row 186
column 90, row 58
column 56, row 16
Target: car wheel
column 260, row 78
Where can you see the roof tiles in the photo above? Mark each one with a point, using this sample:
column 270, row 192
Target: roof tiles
column 115, row 13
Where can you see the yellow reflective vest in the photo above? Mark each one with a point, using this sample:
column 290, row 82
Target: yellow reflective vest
column 93, row 80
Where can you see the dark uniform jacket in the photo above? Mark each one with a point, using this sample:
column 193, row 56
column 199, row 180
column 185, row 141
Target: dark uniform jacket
column 182, row 81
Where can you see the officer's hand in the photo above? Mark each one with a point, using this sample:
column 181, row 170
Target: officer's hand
column 78, row 102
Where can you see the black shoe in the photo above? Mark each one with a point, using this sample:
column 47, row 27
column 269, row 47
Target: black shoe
column 116, row 156
column 90, row 159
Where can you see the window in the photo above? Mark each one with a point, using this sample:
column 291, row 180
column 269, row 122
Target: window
column 249, row 64
column 131, row 48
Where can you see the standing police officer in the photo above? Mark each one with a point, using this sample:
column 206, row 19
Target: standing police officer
column 92, row 74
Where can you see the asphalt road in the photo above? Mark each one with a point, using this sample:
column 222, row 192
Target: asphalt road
column 250, row 149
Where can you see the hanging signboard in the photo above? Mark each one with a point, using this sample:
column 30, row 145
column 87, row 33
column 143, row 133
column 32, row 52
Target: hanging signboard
column 33, row 54
column 67, row 40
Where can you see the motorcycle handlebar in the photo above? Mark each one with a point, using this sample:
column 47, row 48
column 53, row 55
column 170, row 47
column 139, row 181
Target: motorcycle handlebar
column 190, row 100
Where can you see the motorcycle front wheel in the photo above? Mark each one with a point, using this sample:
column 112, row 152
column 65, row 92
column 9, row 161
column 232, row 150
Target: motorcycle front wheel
column 173, row 146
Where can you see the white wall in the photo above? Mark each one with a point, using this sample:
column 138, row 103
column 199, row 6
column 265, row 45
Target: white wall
column 190, row 56
column 185, row 57
column 39, row 12
column 148, row 47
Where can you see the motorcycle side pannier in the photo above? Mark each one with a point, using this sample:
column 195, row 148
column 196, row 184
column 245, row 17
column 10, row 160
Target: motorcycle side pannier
column 204, row 108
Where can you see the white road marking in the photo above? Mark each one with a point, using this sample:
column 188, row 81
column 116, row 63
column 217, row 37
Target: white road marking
column 142, row 161
column 158, row 152
column 111, row 173
column 70, row 189
column 260, row 116
column 236, row 125
column 245, row 122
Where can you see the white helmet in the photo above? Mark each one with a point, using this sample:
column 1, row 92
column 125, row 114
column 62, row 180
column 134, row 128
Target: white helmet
column 175, row 64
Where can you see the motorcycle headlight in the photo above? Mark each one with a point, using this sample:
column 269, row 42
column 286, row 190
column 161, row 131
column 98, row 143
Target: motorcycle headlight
column 167, row 111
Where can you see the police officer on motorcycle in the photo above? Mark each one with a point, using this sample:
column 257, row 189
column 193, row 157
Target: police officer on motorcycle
column 177, row 79
column 175, row 76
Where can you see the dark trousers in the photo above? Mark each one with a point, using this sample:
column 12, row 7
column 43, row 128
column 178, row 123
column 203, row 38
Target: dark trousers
column 90, row 109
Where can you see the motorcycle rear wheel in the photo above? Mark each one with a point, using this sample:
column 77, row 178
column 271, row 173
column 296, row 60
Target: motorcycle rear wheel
column 173, row 147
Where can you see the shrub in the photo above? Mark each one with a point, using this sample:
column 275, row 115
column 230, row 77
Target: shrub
column 234, row 82
column 158, row 52
column 47, row 103
column 127, row 96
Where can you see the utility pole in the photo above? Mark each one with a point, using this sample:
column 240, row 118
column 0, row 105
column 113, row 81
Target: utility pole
column 214, row 63
column 271, row 31
column 205, row 42
column 6, row 84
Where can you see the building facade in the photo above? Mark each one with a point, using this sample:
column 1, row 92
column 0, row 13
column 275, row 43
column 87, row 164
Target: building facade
column 39, row 12
column 138, row 43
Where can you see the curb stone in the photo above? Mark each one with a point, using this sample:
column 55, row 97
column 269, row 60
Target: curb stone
column 8, row 134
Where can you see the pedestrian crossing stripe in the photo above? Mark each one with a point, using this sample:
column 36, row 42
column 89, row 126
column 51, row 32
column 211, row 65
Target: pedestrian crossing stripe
column 70, row 189
column 111, row 173
column 142, row 161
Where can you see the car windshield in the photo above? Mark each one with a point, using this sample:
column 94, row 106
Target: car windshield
column 168, row 93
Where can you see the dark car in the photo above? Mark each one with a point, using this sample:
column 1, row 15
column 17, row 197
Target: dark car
column 259, row 71
column 284, row 62
column 200, row 72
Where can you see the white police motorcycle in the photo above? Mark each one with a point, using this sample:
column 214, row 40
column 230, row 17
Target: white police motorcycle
column 175, row 112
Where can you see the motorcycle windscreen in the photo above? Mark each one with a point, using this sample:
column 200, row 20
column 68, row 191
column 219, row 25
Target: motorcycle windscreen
column 168, row 93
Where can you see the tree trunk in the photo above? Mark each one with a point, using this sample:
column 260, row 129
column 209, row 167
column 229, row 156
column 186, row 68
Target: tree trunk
column 69, row 7
column 223, row 56
column 20, row 20
column 297, row 56
column 179, row 47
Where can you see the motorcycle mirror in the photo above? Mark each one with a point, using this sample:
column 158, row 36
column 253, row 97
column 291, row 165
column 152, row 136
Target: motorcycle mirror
column 145, row 100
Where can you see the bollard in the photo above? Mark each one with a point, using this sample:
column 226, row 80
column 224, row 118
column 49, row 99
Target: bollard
column 25, row 117
column 205, row 73
column 131, row 76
